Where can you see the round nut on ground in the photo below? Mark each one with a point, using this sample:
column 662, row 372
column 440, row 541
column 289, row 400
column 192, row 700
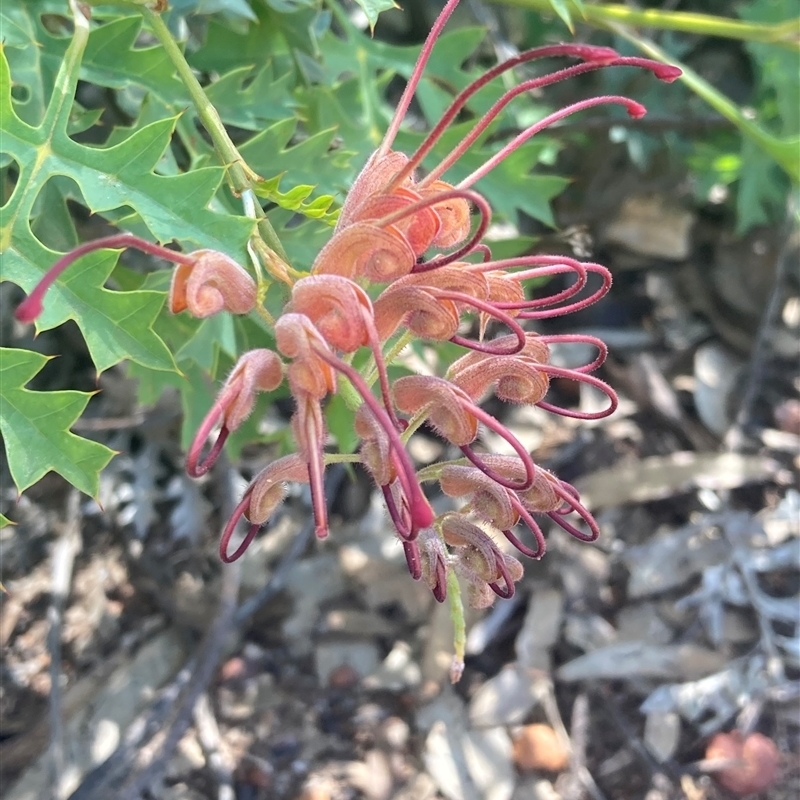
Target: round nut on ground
column 233, row 669
column 257, row 774
column 759, row 759
column 787, row 416
column 343, row 677
column 537, row 747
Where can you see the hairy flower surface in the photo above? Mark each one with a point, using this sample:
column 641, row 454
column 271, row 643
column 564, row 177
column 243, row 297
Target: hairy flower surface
column 212, row 283
column 406, row 261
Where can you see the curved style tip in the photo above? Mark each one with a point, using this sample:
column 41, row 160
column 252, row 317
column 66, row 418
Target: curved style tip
column 636, row 110
column 29, row 309
column 668, row 73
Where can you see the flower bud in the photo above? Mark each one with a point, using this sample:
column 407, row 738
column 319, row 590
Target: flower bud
column 256, row 371
column 376, row 450
column 444, row 403
column 433, row 562
column 453, row 214
column 487, row 499
column 269, row 486
column 213, row 283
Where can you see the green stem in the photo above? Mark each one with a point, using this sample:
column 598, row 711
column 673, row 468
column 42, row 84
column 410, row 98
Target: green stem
column 391, row 354
column 346, row 390
column 60, row 106
column 433, row 472
column 405, row 339
column 414, row 423
column 459, row 626
column 20, row 204
column 785, row 151
column 784, row 34
column 240, row 176
column 342, row 458
column 365, row 81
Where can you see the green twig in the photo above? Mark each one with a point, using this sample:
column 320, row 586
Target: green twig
column 784, row 34
column 346, row 390
column 618, row 19
column 785, row 151
column 240, row 176
column 414, row 423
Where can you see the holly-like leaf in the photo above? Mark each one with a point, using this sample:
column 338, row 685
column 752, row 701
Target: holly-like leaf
column 295, row 200
column 35, row 427
column 446, row 68
column 227, row 48
column 238, row 8
column 373, row 8
column 172, row 207
column 195, row 387
column 34, row 71
column 248, row 98
column 562, row 9
column 213, row 335
column 762, row 189
column 243, row 95
column 277, row 33
column 121, row 322
column 4, row 521
column 778, row 65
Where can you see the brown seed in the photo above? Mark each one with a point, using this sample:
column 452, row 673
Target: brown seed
column 787, row 416
column 538, row 747
column 343, row 677
column 759, row 759
column 256, row 773
column 233, row 669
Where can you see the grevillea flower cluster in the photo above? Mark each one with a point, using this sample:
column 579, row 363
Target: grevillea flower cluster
column 407, row 261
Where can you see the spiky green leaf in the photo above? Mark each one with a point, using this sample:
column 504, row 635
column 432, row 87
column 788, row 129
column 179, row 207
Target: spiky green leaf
column 561, row 8
column 35, row 427
column 171, row 207
column 373, row 8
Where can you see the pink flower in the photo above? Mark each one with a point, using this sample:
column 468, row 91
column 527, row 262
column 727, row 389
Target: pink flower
column 390, row 222
column 408, row 240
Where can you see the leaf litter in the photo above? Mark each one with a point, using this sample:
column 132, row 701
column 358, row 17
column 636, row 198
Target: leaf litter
column 684, row 619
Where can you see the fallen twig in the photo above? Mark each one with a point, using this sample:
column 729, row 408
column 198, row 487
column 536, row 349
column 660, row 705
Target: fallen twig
column 574, row 788
column 579, row 736
column 208, row 734
column 577, row 759
column 156, row 416
column 64, row 552
column 668, row 769
column 737, row 437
